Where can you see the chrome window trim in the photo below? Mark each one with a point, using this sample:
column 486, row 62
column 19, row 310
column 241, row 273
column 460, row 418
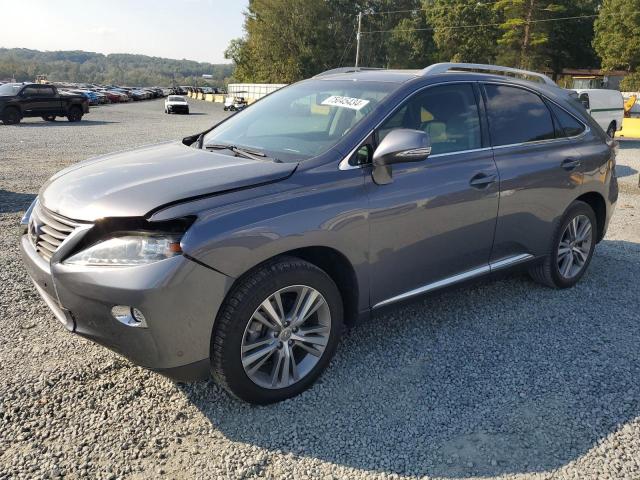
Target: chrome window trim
column 345, row 165
column 543, row 142
column 460, row 152
column 476, row 272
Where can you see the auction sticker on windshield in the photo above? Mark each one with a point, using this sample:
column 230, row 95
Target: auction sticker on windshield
column 345, row 102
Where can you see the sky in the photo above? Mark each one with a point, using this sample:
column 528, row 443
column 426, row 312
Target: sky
column 193, row 29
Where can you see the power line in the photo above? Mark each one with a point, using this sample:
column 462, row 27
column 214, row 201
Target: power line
column 453, row 27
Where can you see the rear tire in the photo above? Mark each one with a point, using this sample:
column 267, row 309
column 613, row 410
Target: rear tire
column 74, row 114
column 11, row 116
column 571, row 249
column 611, row 131
column 293, row 350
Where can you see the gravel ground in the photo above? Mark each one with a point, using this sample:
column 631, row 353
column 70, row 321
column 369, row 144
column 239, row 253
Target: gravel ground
column 504, row 379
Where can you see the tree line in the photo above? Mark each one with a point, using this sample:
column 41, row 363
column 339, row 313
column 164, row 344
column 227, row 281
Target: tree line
column 287, row 40
column 119, row 69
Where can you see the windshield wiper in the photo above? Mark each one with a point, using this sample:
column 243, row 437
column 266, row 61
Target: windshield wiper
column 243, row 152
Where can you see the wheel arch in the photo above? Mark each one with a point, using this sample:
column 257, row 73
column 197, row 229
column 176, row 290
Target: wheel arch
column 333, row 263
column 596, row 201
column 15, row 106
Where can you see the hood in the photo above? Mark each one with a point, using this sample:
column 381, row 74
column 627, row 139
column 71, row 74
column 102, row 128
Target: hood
column 132, row 183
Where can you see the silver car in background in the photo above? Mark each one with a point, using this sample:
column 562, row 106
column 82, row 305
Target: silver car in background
column 176, row 104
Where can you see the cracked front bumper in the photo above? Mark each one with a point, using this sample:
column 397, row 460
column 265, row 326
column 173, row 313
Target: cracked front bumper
column 178, row 297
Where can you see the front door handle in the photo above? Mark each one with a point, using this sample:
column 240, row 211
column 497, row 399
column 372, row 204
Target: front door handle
column 570, row 164
column 482, row 180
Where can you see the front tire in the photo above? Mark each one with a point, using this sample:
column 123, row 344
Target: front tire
column 611, row 131
column 277, row 331
column 11, row 116
column 572, row 248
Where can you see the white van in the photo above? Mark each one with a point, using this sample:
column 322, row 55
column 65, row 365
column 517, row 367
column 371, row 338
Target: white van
column 605, row 106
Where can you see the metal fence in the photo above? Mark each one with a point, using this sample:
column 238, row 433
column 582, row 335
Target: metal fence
column 253, row 91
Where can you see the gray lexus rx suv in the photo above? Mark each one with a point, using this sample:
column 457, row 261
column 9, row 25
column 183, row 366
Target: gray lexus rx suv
column 242, row 251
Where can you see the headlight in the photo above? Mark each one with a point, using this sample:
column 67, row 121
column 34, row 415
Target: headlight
column 129, row 249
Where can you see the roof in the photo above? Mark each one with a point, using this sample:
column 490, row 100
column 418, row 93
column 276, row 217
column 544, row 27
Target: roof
column 400, row 76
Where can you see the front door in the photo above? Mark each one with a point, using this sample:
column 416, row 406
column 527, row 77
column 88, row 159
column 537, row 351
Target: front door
column 29, row 100
column 436, row 220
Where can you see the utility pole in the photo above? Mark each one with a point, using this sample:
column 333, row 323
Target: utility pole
column 358, row 38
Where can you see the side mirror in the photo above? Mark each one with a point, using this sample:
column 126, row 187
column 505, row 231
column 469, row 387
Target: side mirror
column 399, row 146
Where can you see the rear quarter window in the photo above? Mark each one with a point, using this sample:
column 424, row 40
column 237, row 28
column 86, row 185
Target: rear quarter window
column 517, row 116
column 569, row 126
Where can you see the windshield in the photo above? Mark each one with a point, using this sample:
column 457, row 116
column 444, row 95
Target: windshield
column 10, row 89
column 303, row 120
column 173, row 98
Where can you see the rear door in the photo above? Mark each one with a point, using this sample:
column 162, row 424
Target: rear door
column 436, row 220
column 540, row 170
column 49, row 102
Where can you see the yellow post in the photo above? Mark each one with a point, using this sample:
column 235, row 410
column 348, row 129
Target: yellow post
column 630, row 128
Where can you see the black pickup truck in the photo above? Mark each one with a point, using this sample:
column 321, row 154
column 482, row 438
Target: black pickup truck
column 19, row 100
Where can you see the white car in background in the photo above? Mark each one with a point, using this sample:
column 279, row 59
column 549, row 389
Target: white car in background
column 176, row 104
column 605, row 106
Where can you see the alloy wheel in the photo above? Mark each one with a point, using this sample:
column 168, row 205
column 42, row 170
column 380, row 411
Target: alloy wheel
column 575, row 246
column 286, row 337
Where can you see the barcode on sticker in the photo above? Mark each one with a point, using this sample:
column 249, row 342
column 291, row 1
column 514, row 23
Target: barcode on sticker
column 345, row 102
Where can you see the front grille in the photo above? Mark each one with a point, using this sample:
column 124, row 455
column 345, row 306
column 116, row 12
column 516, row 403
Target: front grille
column 48, row 230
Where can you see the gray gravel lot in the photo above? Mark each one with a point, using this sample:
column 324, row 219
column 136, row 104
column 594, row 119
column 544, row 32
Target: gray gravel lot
column 504, row 379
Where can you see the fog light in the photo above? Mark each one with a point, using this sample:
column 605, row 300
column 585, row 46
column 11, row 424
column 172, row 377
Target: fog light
column 129, row 316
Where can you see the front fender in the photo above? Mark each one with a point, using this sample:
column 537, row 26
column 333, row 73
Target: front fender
column 312, row 208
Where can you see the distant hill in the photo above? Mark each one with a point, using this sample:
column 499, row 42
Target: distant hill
column 120, row 68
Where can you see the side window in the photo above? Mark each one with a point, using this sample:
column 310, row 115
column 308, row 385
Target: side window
column 517, row 116
column 46, row 92
column 569, row 125
column 397, row 120
column 449, row 114
column 30, row 92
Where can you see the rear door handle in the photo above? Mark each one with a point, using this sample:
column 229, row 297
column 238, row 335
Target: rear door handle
column 482, row 180
column 570, row 164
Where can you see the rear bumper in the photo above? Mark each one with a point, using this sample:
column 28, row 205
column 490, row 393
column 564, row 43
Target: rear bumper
column 178, row 297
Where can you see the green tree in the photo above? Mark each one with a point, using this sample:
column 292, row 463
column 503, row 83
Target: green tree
column 287, row 40
column 456, row 42
column 523, row 34
column 78, row 66
column 617, row 34
column 631, row 83
column 569, row 41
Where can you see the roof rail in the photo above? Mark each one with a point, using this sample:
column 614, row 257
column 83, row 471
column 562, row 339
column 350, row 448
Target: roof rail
column 447, row 67
column 345, row 70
